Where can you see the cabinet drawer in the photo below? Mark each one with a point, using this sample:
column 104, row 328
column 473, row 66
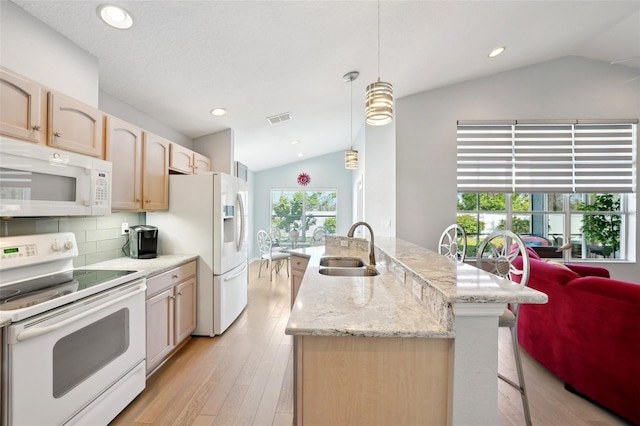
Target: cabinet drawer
column 170, row 278
column 299, row 263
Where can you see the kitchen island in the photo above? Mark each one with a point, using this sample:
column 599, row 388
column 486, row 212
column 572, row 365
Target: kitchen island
column 416, row 344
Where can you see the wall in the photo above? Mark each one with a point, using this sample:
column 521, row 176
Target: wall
column 219, row 147
column 98, row 237
column 357, row 181
column 251, row 226
column 570, row 87
column 326, row 172
column 32, row 49
column 126, row 112
column 380, row 179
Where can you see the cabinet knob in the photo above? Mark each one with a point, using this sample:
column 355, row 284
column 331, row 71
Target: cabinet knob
column 172, row 297
column 36, row 128
column 147, row 201
column 175, row 277
column 57, row 134
column 180, row 293
column 137, row 200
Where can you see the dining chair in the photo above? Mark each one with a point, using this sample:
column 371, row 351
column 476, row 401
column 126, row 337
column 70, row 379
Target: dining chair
column 453, row 243
column 497, row 254
column 273, row 259
column 276, row 237
column 317, row 238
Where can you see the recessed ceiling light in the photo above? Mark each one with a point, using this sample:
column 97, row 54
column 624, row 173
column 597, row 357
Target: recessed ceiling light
column 496, row 52
column 115, row 16
column 295, row 142
column 300, row 155
column 218, row 112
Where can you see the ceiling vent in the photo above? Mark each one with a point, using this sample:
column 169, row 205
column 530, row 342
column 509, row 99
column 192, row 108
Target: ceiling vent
column 275, row 119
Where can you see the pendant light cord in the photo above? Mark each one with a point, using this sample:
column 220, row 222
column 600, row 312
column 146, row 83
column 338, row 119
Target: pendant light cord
column 351, row 111
column 378, row 39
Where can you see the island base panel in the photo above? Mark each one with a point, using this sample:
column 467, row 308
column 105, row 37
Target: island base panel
column 373, row 381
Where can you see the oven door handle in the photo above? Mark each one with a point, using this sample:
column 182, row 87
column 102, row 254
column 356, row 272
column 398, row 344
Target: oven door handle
column 39, row 331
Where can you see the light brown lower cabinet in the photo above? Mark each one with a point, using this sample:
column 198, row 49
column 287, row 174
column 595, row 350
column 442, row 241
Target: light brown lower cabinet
column 372, row 381
column 171, row 312
column 298, row 266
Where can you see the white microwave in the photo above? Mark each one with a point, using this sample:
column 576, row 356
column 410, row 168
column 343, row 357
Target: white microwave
column 37, row 180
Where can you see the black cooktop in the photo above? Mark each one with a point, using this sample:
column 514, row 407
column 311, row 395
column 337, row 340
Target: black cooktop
column 37, row 290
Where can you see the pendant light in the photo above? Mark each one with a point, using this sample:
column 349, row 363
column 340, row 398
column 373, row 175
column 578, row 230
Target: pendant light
column 379, row 99
column 351, row 155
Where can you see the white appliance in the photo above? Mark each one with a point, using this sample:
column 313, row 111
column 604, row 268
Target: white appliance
column 37, row 180
column 207, row 216
column 74, row 351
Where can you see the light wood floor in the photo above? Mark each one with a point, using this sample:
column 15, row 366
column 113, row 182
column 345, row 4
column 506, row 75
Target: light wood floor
column 244, row 377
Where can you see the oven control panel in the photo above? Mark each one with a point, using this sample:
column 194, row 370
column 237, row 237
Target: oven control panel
column 30, row 250
column 18, row 251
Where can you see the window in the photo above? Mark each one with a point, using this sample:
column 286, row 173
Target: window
column 303, row 211
column 594, row 224
column 553, row 183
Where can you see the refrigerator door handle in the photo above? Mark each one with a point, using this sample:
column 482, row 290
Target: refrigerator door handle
column 242, row 224
column 237, row 274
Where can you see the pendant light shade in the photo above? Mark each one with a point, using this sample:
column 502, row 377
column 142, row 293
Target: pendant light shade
column 379, row 99
column 351, row 155
column 351, row 159
column 379, row 103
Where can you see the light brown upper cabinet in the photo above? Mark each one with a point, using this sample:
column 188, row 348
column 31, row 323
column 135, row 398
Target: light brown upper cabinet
column 201, row 164
column 22, row 113
column 74, row 126
column 183, row 160
column 124, row 149
column 155, row 172
column 180, row 159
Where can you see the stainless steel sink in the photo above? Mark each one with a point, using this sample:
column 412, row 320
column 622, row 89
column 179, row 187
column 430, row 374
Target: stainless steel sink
column 344, row 262
column 349, row 272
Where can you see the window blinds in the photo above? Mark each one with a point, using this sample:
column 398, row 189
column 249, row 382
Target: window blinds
column 561, row 157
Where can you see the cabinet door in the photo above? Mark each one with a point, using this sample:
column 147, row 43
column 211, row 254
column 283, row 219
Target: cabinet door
column 201, row 164
column 155, row 172
column 74, row 126
column 180, row 158
column 160, row 337
column 185, row 309
column 21, row 108
column 298, row 268
column 124, row 149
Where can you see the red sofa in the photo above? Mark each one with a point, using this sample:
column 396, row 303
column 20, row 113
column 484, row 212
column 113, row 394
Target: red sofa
column 588, row 334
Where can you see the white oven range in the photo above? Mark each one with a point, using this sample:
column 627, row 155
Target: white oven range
column 74, row 351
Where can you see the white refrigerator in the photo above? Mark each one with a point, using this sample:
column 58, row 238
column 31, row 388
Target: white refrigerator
column 207, row 216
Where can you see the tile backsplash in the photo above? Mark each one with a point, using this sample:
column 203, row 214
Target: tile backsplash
column 98, row 237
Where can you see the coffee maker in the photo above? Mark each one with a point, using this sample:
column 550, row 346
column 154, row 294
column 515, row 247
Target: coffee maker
column 143, row 241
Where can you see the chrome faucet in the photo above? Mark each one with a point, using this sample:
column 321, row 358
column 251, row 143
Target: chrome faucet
column 372, row 257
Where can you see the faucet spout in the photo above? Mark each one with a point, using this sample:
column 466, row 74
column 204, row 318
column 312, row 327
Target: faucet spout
column 372, row 257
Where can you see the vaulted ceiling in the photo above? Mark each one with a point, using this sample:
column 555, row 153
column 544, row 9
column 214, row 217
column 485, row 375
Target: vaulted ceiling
column 262, row 58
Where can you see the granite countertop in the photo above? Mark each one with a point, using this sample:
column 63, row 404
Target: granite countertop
column 412, row 296
column 150, row 267
column 357, row 306
column 458, row 283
